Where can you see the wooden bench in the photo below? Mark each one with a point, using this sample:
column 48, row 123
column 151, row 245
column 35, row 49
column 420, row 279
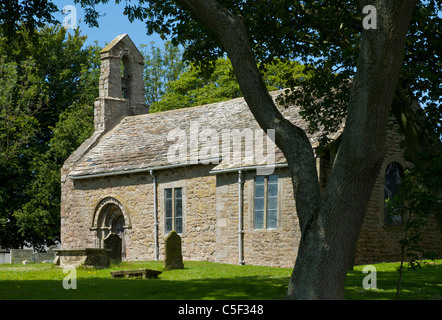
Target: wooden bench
column 144, row 273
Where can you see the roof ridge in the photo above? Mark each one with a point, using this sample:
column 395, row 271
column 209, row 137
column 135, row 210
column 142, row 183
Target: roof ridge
column 242, row 99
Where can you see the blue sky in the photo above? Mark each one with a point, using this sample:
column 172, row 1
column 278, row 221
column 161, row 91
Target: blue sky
column 112, row 24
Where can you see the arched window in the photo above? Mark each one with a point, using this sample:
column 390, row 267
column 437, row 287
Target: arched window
column 393, row 176
column 126, row 77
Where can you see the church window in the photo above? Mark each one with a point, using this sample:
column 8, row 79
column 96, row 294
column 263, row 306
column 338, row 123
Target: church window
column 173, row 199
column 266, row 202
column 393, row 175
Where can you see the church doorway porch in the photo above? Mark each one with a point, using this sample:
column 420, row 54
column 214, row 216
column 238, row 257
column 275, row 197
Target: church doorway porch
column 110, row 218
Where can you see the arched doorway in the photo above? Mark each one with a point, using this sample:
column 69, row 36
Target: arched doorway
column 110, row 217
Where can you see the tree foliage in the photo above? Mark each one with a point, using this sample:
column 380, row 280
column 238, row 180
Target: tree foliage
column 160, row 68
column 48, row 84
column 196, row 87
column 30, row 14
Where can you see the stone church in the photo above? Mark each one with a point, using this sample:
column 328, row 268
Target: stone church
column 141, row 175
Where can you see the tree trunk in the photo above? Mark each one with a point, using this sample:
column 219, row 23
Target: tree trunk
column 329, row 226
column 320, row 270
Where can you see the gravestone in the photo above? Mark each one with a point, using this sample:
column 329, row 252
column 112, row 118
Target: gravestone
column 114, row 243
column 173, row 258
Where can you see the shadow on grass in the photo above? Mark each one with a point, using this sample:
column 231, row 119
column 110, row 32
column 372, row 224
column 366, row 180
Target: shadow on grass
column 253, row 287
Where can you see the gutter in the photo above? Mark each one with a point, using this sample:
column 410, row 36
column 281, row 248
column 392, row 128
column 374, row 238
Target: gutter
column 142, row 170
column 240, row 218
column 248, row 168
column 155, row 209
column 118, row 173
column 172, row 166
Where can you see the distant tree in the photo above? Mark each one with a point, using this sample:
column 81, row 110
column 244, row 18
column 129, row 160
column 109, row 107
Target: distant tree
column 19, row 101
column 38, row 220
column 193, row 88
column 197, row 86
column 47, row 82
column 160, row 68
column 28, row 14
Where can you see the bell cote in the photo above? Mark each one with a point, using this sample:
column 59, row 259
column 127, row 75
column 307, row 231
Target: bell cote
column 121, row 86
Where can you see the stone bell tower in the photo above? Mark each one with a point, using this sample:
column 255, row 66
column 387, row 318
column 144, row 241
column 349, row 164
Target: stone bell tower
column 121, row 87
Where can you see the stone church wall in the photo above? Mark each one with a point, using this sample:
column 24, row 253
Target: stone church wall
column 135, row 192
column 270, row 247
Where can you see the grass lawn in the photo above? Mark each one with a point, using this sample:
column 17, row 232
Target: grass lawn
column 203, row 280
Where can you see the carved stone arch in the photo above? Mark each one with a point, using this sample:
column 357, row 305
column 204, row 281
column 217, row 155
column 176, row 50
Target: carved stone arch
column 104, row 208
column 110, row 217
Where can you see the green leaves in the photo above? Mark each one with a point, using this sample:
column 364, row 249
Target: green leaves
column 32, row 14
column 416, row 204
column 196, row 87
column 161, row 67
column 19, row 101
column 48, row 84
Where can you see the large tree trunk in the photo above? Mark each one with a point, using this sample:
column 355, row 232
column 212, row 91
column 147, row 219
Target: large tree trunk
column 337, row 225
column 329, row 226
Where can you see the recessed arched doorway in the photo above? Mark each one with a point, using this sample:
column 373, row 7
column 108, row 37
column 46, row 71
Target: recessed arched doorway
column 110, row 217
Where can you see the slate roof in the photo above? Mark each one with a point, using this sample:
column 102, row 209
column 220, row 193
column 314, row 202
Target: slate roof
column 143, row 141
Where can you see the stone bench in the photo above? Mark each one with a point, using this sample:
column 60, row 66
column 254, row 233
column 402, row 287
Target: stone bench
column 144, row 273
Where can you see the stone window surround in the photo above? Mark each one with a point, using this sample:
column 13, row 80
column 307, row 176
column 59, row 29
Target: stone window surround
column 251, row 200
column 386, row 163
column 172, row 185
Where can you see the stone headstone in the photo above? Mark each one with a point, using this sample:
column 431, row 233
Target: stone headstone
column 173, row 258
column 114, row 243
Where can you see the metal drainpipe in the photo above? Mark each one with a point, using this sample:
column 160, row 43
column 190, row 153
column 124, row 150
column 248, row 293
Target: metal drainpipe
column 155, row 214
column 240, row 217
